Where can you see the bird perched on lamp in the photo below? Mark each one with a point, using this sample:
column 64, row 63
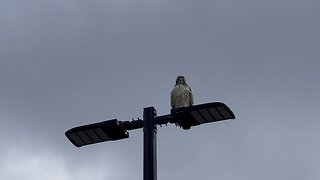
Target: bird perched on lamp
column 181, row 94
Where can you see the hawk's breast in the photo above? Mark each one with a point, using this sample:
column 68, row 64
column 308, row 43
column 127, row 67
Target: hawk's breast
column 181, row 96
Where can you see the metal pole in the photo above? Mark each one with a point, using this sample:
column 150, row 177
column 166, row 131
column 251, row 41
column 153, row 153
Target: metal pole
column 149, row 144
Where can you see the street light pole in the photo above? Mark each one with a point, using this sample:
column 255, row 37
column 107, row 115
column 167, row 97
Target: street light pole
column 149, row 144
column 113, row 130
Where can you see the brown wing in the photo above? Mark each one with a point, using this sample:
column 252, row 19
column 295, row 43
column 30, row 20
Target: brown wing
column 190, row 96
column 172, row 99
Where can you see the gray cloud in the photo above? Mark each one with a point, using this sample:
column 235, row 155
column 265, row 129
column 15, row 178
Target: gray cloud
column 68, row 63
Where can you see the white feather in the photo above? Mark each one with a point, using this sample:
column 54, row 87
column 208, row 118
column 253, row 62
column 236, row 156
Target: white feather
column 181, row 96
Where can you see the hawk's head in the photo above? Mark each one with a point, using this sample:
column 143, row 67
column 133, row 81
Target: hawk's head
column 180, row 80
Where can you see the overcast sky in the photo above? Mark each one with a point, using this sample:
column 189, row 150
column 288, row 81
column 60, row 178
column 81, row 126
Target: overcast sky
column 65, row 63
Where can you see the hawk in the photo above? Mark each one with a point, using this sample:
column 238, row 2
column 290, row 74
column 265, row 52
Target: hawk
column 181, row 94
